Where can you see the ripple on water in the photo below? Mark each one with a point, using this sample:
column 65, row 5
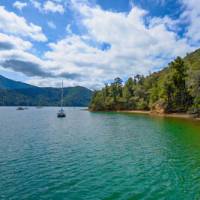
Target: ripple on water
column 97, row 156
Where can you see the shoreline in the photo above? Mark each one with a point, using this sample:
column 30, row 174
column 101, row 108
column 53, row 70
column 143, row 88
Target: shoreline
column 171, row 115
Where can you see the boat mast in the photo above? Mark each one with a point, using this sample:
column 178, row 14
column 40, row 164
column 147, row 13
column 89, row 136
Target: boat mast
column 62, row 96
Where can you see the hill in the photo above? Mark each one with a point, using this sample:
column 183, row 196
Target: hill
column 13, row 93
column 6, row 83
column 176, row 88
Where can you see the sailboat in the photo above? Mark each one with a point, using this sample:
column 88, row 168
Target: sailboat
column 61, row 112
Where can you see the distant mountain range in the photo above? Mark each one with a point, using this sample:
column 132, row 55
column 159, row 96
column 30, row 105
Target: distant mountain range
column 14, row 93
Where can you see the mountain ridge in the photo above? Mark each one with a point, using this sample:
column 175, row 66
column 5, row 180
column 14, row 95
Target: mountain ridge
column 6, row 83
column 16, row 93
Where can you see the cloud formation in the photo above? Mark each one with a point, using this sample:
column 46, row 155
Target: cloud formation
column 19, row 5
column 27, row 67
column 13, row 24
column 50, row 6
column 191, row 15
column 36, row 4
column 32, row 69
column 110, row 44
column 51, row 25
column 5, row 46
column 14, row 42
column 135, row 45
column 53, row 6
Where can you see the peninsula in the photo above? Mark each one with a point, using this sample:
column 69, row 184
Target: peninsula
column 175, row 89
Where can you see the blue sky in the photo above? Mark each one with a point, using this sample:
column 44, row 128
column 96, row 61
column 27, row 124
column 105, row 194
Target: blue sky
column 90, row 42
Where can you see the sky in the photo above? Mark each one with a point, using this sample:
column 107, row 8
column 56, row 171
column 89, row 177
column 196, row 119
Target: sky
column 90, row 42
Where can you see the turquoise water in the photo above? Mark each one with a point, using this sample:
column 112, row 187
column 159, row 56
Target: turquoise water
column 97, row 156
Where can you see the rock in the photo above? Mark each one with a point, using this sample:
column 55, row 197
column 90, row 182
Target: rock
column 159, row 108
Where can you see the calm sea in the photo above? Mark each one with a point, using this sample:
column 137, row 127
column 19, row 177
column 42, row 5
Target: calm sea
column 97, row 156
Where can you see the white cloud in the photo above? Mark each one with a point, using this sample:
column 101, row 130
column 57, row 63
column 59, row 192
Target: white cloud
column 13, row 24
column 192, row 16
column 36, row 4
column 51, row 25
column 53, row 6
column 135, row 47
column 50, row 6
column 19, row 5
column 68, row 29
column 21, row 55
column 14, row 42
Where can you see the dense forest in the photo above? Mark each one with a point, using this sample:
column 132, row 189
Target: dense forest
column 176, row 88
column 73, row 96
column 13, row 93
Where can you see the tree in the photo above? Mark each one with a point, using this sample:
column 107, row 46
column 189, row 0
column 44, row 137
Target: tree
column 194, row 89
column 167, row 93
column 179, row 74
column 128, row 89
column 176, row 88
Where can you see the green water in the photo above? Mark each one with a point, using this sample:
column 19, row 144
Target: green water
column 97, row 156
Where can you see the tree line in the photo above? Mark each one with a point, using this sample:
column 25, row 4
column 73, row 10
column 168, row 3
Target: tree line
column 174, row 89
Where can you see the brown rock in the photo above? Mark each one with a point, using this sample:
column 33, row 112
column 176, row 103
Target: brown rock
column 159, row 108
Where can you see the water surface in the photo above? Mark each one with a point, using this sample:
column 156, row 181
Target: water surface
column 97, row 156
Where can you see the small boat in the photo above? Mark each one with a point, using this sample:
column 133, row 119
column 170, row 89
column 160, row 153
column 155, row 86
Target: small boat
column 20, row 108
column 61, row 112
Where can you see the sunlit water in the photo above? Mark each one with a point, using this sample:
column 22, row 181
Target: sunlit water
column 97, row 156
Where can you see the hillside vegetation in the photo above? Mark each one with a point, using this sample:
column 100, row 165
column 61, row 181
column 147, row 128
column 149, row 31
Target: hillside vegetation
column 176, row 88
column 13, row 93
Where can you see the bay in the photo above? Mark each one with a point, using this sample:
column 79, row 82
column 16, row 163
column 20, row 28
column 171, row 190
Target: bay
column 97, row 156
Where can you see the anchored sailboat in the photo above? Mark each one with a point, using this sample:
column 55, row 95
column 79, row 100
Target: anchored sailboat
column 61, row 112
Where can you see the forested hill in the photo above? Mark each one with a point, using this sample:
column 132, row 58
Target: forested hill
column 6, row 83
column 176, row 88
column 13, row 93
